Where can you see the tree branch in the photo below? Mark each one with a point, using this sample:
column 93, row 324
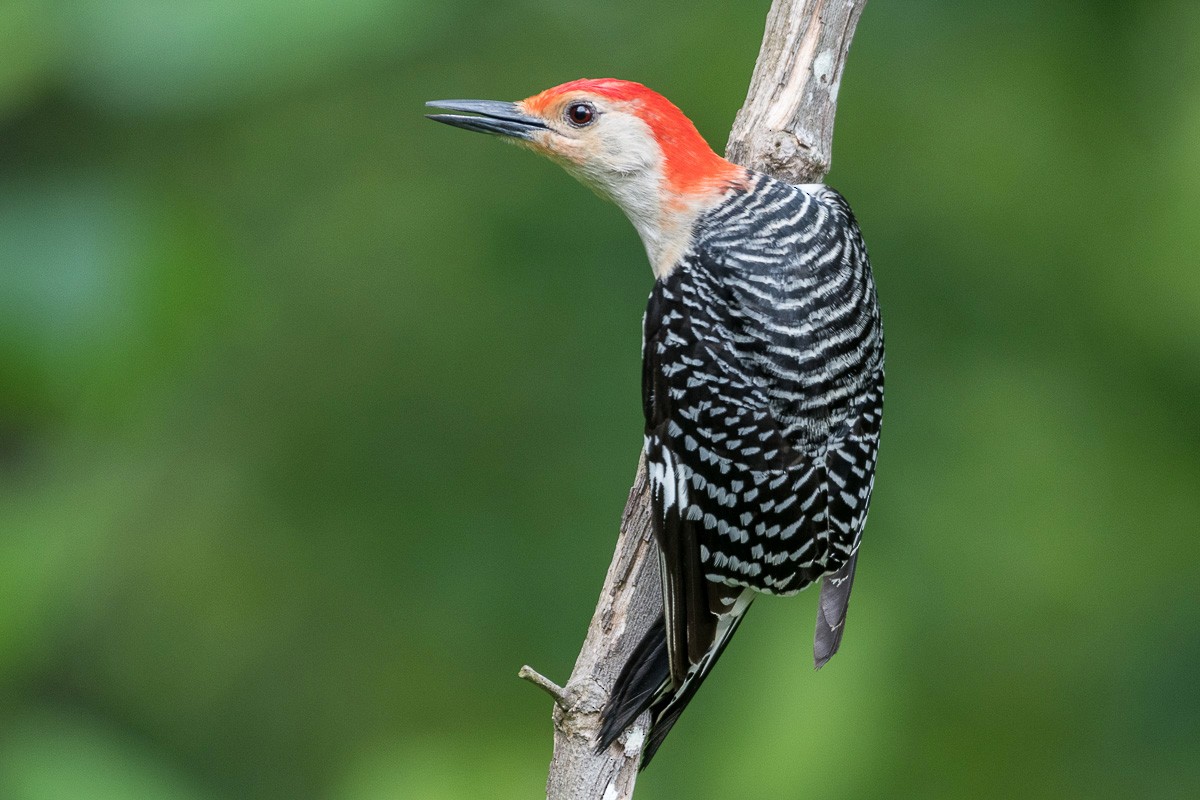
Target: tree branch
column 785, row 129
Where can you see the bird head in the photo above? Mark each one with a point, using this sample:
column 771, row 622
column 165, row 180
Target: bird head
column 629, row 143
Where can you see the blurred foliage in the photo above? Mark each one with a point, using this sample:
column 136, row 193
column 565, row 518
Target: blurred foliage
column 316, row 419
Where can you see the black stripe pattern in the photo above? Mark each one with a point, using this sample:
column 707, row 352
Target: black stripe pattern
column 763, row 389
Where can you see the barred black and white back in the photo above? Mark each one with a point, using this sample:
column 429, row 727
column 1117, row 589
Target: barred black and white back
column 763, row 391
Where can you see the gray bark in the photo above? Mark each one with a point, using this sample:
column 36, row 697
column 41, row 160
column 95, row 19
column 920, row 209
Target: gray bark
column 784, row 129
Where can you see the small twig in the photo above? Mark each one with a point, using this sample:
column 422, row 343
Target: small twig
column 548, row 686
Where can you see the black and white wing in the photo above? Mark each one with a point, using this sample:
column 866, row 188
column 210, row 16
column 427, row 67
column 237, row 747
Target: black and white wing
column 763, row 387
column 762, row 391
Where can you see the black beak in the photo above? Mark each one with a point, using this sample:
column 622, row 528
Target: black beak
column 493, row 116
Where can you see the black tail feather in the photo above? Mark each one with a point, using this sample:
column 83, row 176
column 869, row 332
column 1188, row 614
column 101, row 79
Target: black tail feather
column 666, row 709
column 643, row 684
column 831, row 612
column 643, row 675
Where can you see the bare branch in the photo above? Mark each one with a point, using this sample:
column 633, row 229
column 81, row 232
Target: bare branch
column 785, row 129
column 629, row 602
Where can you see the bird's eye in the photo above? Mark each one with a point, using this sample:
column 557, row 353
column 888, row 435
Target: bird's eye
column 581, row 114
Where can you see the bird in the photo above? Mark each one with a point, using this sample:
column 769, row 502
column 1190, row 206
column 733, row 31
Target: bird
column 762, row 376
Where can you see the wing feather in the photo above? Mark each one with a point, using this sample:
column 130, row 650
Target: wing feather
column 762, row 392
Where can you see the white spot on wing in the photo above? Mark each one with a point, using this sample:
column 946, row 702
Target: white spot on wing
column 669, row 483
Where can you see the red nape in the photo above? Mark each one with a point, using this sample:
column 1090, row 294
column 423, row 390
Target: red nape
column 691, row 165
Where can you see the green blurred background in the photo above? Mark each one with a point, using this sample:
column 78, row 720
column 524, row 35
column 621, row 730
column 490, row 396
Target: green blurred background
column 316, row 418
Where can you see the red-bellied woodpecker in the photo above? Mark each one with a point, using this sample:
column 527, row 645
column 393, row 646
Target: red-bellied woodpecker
column 762, row 380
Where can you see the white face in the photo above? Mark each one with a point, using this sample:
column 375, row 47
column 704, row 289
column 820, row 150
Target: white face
column 609, row 144
column 606, row 147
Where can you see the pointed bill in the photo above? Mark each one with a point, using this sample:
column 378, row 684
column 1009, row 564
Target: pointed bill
column 488, row 116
